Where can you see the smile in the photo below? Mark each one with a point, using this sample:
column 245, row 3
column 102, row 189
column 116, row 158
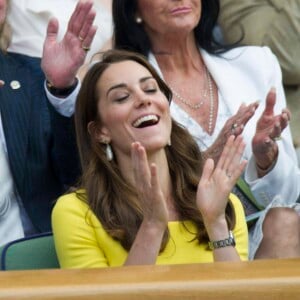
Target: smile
column 148, row 120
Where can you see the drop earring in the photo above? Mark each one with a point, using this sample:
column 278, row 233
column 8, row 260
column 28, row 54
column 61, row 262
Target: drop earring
column 169, row 142
column 109, row 153
column 138, row 20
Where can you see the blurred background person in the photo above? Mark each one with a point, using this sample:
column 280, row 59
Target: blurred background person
column 38, row 154
column 29, row 19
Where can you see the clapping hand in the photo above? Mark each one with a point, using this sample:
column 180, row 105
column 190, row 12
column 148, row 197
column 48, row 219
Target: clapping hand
column 148, row 187
column 268, row 130
column 217, row 181
column 62, row 60
column 233, row 126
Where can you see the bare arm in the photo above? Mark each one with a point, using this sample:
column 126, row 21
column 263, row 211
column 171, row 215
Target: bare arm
column 147, row 243
column 213, row 192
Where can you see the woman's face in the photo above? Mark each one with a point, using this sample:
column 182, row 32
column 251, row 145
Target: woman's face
column 132, row 108
column 168, row 16
column 3, row 7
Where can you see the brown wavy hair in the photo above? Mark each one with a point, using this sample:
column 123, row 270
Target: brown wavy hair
column 110, row 196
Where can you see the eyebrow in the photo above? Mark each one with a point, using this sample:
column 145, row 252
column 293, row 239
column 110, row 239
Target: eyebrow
column 121, row 85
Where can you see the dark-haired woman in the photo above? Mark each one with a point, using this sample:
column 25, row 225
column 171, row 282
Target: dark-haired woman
column 216, row 91
column 147, row 196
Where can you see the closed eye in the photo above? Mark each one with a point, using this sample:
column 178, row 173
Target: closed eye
column 151, row 91
column 121, row 99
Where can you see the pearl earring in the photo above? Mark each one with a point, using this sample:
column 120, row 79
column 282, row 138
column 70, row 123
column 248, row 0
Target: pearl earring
column 109, row 153
column 138, row 20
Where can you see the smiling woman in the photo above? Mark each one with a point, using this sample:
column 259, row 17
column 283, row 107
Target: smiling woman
column 151, row 201
column 132, row 108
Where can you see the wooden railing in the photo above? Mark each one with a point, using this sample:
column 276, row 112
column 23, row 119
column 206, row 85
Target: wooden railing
column 259, row 280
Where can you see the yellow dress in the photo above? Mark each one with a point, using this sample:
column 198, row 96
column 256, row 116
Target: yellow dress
column 81, row 241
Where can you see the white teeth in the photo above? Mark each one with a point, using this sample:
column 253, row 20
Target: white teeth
column 139, row 121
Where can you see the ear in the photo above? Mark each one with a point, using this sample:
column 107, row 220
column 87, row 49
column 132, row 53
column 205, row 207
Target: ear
column 101, row 134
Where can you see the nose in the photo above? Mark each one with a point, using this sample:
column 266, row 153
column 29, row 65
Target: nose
column 142, row 99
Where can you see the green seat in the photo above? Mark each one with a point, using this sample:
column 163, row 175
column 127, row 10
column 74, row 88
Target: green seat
column 35, row 252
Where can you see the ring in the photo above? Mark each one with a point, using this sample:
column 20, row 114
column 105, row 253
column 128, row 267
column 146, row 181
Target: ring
column 85, row 48
column 277, row 138
column 233, row 127
column 80, row 38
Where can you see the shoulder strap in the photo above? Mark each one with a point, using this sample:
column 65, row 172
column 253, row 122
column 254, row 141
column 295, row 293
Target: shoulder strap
column 243, row 186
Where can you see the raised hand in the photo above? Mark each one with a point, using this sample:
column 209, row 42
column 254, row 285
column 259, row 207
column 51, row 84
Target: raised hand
column 233, row 126
column 62, row 60
column 217, row 182
column 148, row 187
column 268, row 130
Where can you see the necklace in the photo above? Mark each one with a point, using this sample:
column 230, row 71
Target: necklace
column 211, row 104
column 186, row 101
column 198, row 105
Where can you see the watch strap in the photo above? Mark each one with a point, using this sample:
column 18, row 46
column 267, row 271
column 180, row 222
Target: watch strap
column 61, row 92
column 230, row 241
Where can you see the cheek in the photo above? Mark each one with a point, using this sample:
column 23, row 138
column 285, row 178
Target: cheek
column 114, row 119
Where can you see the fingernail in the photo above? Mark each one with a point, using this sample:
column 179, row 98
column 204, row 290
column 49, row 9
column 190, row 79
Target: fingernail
column 273, row 89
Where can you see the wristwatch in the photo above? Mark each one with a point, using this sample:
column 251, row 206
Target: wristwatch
column 61, row 92
column 230, row 241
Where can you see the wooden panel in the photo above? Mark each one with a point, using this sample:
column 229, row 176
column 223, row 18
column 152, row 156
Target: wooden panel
column 265, row 279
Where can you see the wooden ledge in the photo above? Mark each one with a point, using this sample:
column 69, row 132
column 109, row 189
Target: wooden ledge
column 262, row 279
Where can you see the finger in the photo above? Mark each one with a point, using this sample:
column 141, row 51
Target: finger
column 141, row 167
column 233, row 154
column 207, row 171
column 238, row 165
column 225, row 153
column 52, row 30
column 87, row 25
column 2, row 83
column 241, row 118
column 86, row 43
column 285, row 117
column 238, row 171
column 241, row 108
column 288, row 114
column 270, row 102
column 135, row 162
column 154, row 178
column 79, row 16
column 276, row 131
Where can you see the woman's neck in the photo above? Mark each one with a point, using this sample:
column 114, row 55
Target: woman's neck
column 181, row 55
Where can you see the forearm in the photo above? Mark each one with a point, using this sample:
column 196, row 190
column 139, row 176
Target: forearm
column 66, row 105
column 218, row 231
column 146, row 245
column 283, row 179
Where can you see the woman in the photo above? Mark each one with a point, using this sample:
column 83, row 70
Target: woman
column 210, row 84
column 141, row 200
column 232, row 83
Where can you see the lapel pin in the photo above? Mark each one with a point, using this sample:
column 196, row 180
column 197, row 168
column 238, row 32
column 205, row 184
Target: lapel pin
column 15, row 84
